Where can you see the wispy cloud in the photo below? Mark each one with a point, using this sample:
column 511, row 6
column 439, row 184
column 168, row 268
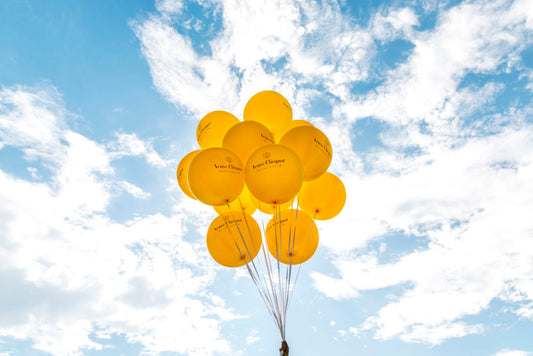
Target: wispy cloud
column 135, row 190
column 253, row 337
column 131, row 145
column 512, row 353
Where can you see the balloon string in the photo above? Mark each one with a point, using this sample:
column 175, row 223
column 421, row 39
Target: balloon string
column 269, row 268
column 243, row 240
column 272, row 305
column 250, row 271
column 289, row 254
column 300, row 265
column 294, row 284
column 249, row 231
column 264, row 283
column 280, row 285
column 264, row 294
column 275, row 296
column 289, row 270
column 274, row 316
column 276, row 235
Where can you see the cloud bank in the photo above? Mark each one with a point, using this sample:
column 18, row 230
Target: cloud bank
column 71, row 277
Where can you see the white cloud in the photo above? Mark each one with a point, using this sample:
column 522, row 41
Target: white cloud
column 471, row 204
column 252, row 337
column 135, row 190
column 469, row 38
column 311, row 42
column 32, row 121
column 506, row 352
column 34, row 172
column 181, row 75
column 79, row 272
column 131, row 145
column 397, row 22
column 169, row 6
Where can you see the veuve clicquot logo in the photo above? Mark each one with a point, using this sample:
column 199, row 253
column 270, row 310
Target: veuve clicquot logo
column 324, row 147
column 228, row 165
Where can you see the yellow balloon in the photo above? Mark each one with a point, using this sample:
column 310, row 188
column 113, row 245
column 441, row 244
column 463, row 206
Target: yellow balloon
column 212, row 128
column 233, row 239
column 243, row 203
column 245, row 137
column 323, row 197
column 181, row 173
column 313, row 148
column 216, row 176
column 269, row 108
column 293, row 124
column 271, row 208
column 295, row 240
column 274, row 174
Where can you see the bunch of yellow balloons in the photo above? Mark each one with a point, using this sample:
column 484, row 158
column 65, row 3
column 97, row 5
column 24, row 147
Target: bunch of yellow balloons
column 266, row 162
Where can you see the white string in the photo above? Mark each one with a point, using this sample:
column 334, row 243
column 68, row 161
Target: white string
column 275, row 296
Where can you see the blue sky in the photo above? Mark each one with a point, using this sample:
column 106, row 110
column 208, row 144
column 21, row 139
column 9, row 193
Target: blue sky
column 428, row 105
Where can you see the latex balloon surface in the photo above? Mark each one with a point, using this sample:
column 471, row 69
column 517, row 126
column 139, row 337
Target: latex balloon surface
column 233, row 239
column 182, row 173
column 243, row 203
column 271, row 208
column 293, row 124
column 212, row 128
column 270, row 109
column 313, row 148
column 295, row 239
column 216, row 176
column 274, row 174
column 245, row 137
column 323, row 197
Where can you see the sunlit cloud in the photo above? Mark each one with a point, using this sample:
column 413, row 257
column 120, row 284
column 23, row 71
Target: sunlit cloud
column 79, row 271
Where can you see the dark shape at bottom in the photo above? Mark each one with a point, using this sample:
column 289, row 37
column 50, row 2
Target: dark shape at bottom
column 284, row 348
